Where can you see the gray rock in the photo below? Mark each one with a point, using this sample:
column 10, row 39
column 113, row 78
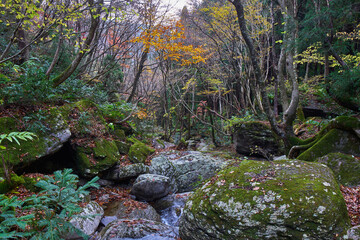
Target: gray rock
column 160, row 144
column 193, row 168
column 108, row 219
column 188, row 171
column 257, row 139
column 119, row 173
column 345, row 167
column 161, row 165
column 93, row 213
column 137, row 229
column 353, row 233
column 286, row 199
column 130, row 209
column 149, row 187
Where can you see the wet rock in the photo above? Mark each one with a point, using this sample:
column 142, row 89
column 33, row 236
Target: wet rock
column 286, row 199
column 149, row 187
column 119, row 173
column 137, row 229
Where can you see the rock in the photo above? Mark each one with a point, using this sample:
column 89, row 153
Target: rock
column 286, row 199
column 139, row 152
column 161, row 165
column 353, row 233
column 90, row 161
column 123, row 147
column 108, row 219
column 130, row 209
column 104, row 183
column 193, row 168
column 336, row 140
column 345, row 167
column 120, row 173
column 203, row 146
column 149, row 187
column 47, row 142
column 257, row 139
column 137, row 229
column 160, row 144
column 186, row 172
column 93, row 213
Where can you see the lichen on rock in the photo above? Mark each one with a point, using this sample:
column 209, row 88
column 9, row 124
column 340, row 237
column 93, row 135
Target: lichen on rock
column 287, row 199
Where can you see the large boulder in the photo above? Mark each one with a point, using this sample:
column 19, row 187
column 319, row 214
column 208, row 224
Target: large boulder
column 191, row 169
column 149, row 187
column 257, row 139
column 137, row 229
column 120, row 173
column 345, row 167
column 130, row 209
column 287, row 199
column 90, row 160
column 50, row 139
column 186, row 172
column 336, row 140
column 87, row 220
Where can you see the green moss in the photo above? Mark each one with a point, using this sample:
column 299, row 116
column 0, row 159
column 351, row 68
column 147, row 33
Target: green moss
column 139, row 152
column 300, row 114
column 335, row 140
column 15, row 182
column 123, row 147
column 345, row 167
column 91, row 161
column 85, row 104
column 7, row 125
column 119, row 134
column 294, row 197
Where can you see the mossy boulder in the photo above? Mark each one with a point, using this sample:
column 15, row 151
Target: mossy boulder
column 286, row 199
column 335, row 140
column 257, row 139
column 345, row 167
column 51, row 133
column 92, row 160
column 138, row 152
column 123, row 147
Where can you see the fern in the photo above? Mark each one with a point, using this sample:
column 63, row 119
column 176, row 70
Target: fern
column 52, row 209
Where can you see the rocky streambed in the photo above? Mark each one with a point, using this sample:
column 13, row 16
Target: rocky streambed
column 283, row 199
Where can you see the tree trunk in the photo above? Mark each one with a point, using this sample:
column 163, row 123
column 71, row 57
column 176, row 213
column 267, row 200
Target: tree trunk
column 95, row 19
column 138, row 73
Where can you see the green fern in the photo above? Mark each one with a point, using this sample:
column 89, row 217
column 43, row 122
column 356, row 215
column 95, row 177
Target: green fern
column 52, row 209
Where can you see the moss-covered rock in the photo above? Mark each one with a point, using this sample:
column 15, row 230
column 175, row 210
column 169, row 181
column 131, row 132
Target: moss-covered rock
column 92, row 160
column 335, row 140
column 345, row 167
column 51, row 135
column 123, row 147
column 287, row 199
column 256, row 138
column 138, row 152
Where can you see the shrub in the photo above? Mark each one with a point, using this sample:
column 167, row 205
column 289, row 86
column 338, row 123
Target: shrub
column 51, row 209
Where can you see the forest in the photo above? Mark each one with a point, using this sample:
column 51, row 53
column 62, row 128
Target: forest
column 221, row 119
